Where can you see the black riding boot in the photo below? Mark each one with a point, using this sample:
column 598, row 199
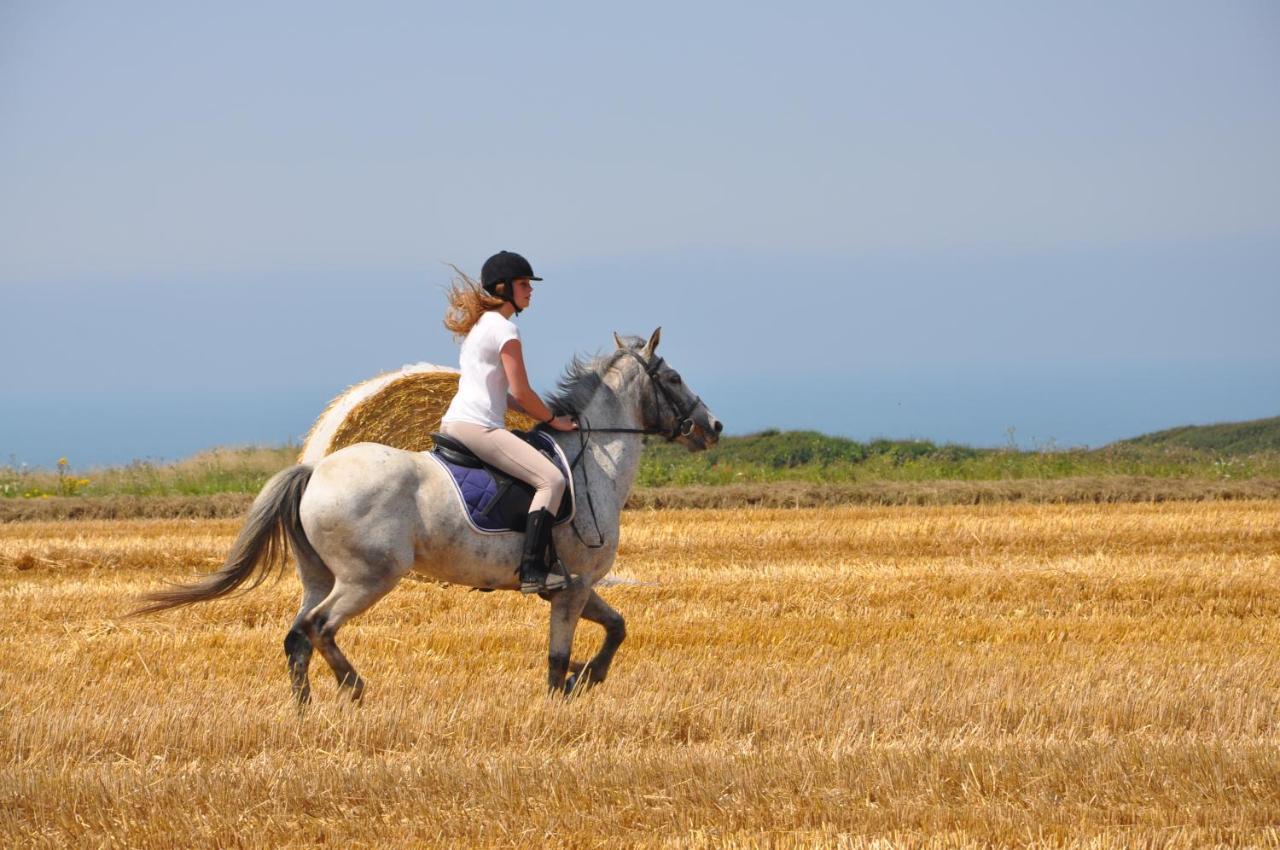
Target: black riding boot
column 534, row 576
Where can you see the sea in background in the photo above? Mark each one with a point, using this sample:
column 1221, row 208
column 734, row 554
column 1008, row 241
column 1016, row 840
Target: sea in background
column 1067, row 346
column 1045, row 408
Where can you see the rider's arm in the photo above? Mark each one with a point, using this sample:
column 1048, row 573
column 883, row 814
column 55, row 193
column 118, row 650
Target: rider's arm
column 525, row 397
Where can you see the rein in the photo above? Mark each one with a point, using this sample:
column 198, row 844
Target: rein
column 684, row 427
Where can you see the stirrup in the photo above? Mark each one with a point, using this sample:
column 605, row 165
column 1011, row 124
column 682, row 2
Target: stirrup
column 550, row 581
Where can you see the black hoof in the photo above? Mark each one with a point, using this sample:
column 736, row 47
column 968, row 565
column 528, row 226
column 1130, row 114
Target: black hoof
column 580, row 681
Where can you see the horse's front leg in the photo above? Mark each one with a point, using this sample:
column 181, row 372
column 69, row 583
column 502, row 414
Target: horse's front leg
column 615, row 632
column 566, row 610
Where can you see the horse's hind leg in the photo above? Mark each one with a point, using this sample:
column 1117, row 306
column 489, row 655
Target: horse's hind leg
column 615, row 632
column 321, row 624
column 317, row 583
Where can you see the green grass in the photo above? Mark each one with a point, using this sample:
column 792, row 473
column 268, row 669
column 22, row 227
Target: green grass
column 1231, row 438
column 1212, row 453
column 219, row 470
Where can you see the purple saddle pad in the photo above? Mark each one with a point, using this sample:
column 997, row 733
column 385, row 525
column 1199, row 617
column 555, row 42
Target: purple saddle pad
column 496, row 502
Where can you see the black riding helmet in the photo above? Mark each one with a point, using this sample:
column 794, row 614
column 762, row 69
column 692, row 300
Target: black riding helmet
column 504, row 267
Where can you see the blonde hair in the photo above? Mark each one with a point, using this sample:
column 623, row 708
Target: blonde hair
column 467, row 303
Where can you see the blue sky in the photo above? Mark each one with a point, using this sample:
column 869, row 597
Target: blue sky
column 932, row 220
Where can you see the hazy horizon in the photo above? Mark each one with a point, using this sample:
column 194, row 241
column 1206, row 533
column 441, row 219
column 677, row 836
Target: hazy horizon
column 212, row 423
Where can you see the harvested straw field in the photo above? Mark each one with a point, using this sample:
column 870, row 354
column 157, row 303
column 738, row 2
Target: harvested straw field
column 951, row 676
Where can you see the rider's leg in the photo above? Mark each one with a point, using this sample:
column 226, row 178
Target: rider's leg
column 514, row 456
column 534, row 570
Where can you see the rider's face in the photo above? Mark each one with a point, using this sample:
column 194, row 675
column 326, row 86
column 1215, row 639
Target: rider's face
column 522, row 292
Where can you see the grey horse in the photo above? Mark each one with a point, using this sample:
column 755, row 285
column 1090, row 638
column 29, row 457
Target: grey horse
column 362, row 518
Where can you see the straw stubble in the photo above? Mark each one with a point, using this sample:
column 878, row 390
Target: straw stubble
column 1083, row 675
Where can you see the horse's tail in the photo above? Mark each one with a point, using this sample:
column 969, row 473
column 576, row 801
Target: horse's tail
column 259, row 550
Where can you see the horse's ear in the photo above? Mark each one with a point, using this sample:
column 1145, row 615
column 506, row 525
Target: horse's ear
column 653, row 343
column 618, row 340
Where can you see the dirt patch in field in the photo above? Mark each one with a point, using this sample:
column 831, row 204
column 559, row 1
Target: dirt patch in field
column 787, row 494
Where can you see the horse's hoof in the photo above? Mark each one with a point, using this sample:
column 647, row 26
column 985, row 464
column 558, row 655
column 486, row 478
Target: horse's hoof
column 579, row 682
column 356, row 686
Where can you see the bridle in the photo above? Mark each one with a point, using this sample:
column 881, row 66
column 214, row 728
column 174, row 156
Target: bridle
column 683, row 428
column 684, row 420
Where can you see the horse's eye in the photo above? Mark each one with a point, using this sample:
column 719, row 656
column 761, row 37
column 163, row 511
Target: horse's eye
column 675, row 379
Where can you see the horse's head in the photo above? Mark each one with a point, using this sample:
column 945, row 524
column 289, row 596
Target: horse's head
column 670, row 407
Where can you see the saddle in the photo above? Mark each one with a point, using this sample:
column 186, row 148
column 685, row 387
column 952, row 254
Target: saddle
column 494, row 501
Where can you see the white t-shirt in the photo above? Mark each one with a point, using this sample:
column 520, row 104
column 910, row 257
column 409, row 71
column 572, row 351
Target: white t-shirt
column 482, row 389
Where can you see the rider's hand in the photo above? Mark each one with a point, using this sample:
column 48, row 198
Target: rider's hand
column 563, row 423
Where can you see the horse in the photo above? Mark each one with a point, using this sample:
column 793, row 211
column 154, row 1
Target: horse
column 362, row 518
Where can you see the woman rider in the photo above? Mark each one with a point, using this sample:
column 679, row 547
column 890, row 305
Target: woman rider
column 493, row 377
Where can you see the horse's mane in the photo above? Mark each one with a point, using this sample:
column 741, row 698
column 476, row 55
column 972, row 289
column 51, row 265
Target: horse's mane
column 583, row 378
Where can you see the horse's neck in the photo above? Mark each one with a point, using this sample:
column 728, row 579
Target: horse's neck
column 612, row 460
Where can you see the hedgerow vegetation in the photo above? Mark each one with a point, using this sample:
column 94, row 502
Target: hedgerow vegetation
column 772, row 456
column 1237, row 452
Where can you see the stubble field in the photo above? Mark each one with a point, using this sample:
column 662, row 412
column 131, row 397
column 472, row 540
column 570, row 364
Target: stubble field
column 1048, row 675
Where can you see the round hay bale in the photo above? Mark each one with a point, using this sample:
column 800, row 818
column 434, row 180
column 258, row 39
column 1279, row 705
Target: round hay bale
column 399, row 409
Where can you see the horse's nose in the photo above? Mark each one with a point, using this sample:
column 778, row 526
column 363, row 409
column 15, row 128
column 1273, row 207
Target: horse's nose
column 717, row 425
